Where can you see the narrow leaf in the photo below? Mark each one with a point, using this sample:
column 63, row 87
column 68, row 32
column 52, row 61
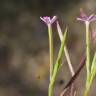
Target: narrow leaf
column 59, row 58
column 93, row 72
column 61, row 51
column 93, row 66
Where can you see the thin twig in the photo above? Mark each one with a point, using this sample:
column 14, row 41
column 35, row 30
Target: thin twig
column 81, row 65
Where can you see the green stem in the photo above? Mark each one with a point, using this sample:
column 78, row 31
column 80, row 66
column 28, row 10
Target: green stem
column 87, row 58
column 50, row 49
column 87, row 49
column 57, row 65
column 51, row 90
column 86, row 93
column 53, row 79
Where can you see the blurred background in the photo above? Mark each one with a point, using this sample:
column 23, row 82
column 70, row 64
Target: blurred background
column 24, row 49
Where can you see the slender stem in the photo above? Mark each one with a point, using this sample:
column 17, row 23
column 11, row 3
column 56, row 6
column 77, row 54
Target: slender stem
column 57, row 66
column 87, row 58
column 87, row 48
column 51, row 90
column 86, row 92
column 50, row 49
column 52, row 82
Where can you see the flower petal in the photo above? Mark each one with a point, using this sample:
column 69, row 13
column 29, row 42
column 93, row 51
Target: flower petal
column 47, row 19
column 53, row 19
column 42, row 18
column 90, row 17
column 93, row 19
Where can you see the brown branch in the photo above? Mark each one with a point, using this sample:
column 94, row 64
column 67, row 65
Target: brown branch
column 71, row 81
column 81, row 65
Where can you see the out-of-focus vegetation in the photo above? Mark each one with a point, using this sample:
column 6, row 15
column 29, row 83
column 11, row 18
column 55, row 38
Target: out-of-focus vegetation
column 24, row 57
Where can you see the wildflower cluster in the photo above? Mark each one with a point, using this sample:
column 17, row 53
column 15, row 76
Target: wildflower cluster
column 55, row 66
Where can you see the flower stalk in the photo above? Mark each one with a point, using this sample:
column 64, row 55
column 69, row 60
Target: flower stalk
column 57, row 65
column 87, row 20
column 87, row 49
column 51, row 49
column 87, row 58
column 48, row 21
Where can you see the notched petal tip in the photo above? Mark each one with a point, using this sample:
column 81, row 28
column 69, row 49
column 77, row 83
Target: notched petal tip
column 42, row 18
column 53, row 19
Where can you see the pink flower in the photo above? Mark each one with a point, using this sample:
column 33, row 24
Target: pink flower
column 48, row 20
column 86, row 18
